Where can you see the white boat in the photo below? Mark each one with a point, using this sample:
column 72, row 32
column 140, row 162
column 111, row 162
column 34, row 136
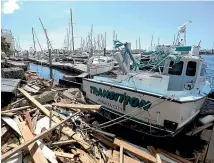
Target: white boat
column 100, row 64
column 166, row 100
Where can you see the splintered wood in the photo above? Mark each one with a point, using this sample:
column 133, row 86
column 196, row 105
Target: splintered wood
column 65, row 130
column 136, row 151
column 56, row 125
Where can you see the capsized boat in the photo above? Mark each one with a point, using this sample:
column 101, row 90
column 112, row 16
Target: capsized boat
column 164, row 98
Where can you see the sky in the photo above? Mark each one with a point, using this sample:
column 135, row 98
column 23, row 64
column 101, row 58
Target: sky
column 130, row 20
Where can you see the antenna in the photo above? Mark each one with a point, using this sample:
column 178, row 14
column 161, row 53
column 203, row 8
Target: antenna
column 182, row 29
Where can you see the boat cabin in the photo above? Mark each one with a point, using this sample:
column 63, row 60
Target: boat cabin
column 188, row 72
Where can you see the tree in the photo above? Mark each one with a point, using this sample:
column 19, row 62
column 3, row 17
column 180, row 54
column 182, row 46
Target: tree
column 5, row 47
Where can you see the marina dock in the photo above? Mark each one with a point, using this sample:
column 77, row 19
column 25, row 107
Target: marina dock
column 74, row 68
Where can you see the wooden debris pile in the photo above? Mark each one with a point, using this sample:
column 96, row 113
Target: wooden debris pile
column 46, row 124
column 13, row 72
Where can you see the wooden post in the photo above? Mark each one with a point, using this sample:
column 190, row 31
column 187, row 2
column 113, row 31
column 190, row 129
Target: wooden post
column 121, row 154
column 51, row 108
column 50, row 63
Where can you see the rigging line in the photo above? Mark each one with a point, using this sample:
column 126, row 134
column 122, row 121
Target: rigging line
column 130, row 113
column 137, row 130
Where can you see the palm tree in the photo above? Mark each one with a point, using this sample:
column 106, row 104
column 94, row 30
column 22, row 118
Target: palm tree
column 5, row 47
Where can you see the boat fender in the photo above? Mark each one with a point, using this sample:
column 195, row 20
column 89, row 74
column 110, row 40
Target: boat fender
column 207, row 119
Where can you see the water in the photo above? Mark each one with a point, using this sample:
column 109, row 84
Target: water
column 57, row 74
column 210, row 68
column 44, row 72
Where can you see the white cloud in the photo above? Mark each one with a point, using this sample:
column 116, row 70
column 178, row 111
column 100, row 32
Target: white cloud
column 10, row 6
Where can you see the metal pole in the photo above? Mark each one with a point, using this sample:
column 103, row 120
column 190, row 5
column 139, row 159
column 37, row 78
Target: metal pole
column 72, row 30
column 139, row 44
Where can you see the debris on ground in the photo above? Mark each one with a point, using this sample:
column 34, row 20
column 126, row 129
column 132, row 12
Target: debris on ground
column 54, row 125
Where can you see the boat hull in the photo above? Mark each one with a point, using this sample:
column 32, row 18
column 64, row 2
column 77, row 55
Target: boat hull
column 158, row 112
column 101, row 68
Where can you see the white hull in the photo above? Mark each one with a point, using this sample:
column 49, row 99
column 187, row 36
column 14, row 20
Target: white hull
column 99, row 68
column 154, row 115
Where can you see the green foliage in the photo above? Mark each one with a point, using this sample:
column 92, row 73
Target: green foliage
column 5, row 47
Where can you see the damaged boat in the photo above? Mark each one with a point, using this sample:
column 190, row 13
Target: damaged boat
column 165, row 98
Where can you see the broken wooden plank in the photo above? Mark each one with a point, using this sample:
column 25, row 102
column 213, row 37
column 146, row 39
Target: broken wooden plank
column 136, row 151
column 8, row 154
column 96, row 152
column 121, row 154
column 28, row 121
column 33, row 148
column 210, row 155
column 12, row 124
column 85, row 158
column 17, row 101
column 152, row 150
column 65, row 130
column 158, row 158
column 16, row 158
column 34, row 120
column 78, row 106
column 16, row 109
column 178, row 158
column 199, row 129
column 105, row 141
column 206, row 135
column 63, row 154
column 64, row 142
column 127, row 159
column 8, row 114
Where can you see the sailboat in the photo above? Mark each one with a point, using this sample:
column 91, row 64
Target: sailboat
column 164, row 98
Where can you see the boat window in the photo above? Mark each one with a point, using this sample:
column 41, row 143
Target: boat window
column 109, row 61
column 101, row 60
column 176, row 69
column 191, row 68
column 203, row 70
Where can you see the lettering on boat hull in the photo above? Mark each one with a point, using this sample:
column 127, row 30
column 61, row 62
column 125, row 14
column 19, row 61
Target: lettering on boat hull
column 118, row 97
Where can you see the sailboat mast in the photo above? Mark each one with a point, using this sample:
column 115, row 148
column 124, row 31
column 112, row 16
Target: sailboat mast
column 152, row 41
column 67, row 40
column 49, row 52
column 34, row 42
column 72, row 31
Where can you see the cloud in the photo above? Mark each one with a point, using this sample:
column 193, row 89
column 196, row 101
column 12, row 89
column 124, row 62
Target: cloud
column 10, row 6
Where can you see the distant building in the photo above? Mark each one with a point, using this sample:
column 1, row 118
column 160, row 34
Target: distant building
column 7, row 34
